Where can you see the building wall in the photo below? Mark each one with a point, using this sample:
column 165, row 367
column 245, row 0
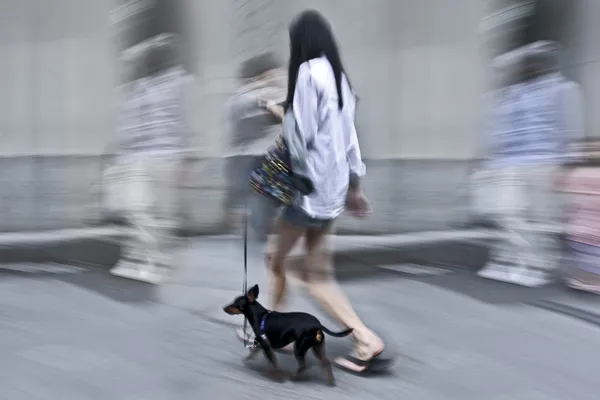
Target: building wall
column 419, row 75
column 56, row 80
column 418, row 66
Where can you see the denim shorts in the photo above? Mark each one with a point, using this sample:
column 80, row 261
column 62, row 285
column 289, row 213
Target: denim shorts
column 297, row 217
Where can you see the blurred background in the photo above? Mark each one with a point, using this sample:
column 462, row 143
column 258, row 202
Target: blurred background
column 419, row 67
column 77, row 323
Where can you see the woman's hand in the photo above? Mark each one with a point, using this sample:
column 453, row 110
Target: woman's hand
column 357, row 204
column 275, row 109
column 262, row 103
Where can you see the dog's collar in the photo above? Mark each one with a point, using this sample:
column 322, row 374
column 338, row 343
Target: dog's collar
column 262, row 333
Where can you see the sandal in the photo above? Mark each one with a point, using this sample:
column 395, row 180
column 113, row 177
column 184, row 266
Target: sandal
column 356, row 366
column 249, row 338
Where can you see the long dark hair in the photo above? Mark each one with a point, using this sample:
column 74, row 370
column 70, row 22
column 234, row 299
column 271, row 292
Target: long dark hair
column 311, row 37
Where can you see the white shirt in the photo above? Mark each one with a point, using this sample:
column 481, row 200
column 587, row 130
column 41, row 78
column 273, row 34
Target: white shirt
column 153, row 115
column 333, row 150
column 533, row 123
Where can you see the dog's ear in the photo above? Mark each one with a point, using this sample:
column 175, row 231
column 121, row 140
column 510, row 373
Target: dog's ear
column 231, row 309
column 253, row 293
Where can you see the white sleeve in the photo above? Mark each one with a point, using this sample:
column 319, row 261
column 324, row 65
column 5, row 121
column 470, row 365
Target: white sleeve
column 305, row 105
column 353, row 155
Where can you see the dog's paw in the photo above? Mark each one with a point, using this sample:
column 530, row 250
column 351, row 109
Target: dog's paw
column 251, row 355
column 296, row 377
column 299, row 375
column 277, row 376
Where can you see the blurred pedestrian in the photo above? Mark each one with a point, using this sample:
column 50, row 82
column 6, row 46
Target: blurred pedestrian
column 152, row 144
column 255, row 112
column 322, row 102
column 532, row 121
column 582, row 186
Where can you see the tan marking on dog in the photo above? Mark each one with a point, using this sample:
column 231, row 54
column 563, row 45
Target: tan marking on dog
column 319, row 336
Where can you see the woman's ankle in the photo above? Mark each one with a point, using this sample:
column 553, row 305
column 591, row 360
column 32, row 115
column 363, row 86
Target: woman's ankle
column 368, row 343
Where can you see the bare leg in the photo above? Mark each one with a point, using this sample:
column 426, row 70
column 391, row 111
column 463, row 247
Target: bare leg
column 252, row 354
column 278, row 247
column 324, row 288
column 287, row 237
column 270, row 354
column 319, row 351
column 299, row 354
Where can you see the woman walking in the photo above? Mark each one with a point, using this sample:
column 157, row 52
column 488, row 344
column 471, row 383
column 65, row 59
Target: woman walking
column 323, row 104
column 151, row 146
column 255, row 125
column 532, row 122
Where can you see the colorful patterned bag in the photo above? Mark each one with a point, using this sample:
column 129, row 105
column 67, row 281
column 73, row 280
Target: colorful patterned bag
column 273, row 178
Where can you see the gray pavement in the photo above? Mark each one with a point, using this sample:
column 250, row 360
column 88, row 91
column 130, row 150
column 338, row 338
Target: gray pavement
column 99, row 245
column 71, row 333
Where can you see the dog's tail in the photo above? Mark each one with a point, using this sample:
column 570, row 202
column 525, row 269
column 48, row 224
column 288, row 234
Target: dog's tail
column 337, row 334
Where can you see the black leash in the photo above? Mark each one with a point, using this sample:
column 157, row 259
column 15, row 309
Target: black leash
column 245, row 280
column 247, row 343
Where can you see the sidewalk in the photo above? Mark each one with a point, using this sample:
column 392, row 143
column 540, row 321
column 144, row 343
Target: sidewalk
column 449, row 264
column 447, row 259
column 87, row 246
column 89, row 335
column 99, row 246
column 477, row 339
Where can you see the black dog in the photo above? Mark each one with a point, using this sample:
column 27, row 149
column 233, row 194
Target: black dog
column 274, row 330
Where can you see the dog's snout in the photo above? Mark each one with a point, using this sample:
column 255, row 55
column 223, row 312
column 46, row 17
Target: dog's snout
column 231, row 309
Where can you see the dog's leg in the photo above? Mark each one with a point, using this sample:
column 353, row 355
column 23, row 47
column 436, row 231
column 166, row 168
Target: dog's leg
column 319, row 350
column 252, row 355
column 270, row 354
column 300, row 353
